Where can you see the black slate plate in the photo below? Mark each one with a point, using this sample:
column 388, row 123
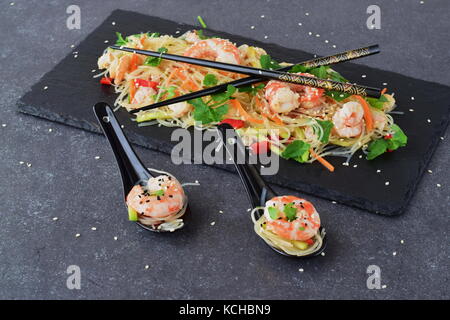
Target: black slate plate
column 72, row 92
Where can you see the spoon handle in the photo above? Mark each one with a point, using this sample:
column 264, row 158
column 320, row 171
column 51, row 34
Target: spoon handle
column 257, row 189
column 131, row 168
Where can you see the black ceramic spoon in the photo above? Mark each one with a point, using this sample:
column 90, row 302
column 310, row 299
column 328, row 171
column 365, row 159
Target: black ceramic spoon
column 131, row 168
column 257, row 189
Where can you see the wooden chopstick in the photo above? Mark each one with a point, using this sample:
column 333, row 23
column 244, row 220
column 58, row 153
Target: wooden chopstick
column 313, row 63
column 271, row 74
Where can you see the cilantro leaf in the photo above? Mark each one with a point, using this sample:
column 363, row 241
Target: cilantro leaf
column 380, row 146
column 158, row 193
column 252, row 90
column 268, row 63
column 320, row 72
column 155, row 61
column 377, row 103
column 297, row 150
column 120, row 40
column 326, row 127
column 376, row 148
column 290, row 212
column 273, row 213
column 153, row 34
column 299, row 68
column 210, row 80
column 224, row 96
column 336, row 76
column 205, row 114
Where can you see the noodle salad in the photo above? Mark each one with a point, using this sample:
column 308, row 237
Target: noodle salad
column 295, row 121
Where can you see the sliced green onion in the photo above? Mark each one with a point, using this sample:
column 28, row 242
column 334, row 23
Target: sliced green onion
column 200, row 19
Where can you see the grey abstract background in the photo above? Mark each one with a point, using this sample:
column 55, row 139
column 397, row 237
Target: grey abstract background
column 61, row 178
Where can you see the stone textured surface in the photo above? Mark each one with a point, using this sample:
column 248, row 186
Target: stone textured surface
column 225, row 260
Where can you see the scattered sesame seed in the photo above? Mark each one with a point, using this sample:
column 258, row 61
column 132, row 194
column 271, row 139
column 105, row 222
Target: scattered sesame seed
column 147, row 267
column 249, row 209
column 213, row 223
column 300, row 24
column 106, row 41
column 326, row 41
column 11, row 4
column 220, row 211
column 355, row 166
column 177, row 32
column 50, row 130
column 115, row 238
column 442, row 138
column 93, row 70
column 21, row 162
column 113, row 23
column 262, row 16
column 334, row 46
column 72, row 46
column 4, row 125
column 55, row 219
column 97, row 158
column 333, row 202
column 411, row 110
column 77, row 235
column 360, row 156
column 378, row 171
column 412, row 98
column 402, row 241
column 363, row 76
column 252, row 27
column 384, row 286
column 196, row 181
column 422, row 2
column 75, row 56
column 122, row 126
column 428, row 120
column 438, row 185
column 265, row 37
column 318, row 35
column 310, row 33
column 29, row 165
column 345, row 164
column 429, row 171
column 394, row 253
column 306, row 13
column 93, row 228
column 301, row 270
column 46, row 87
column 323, row 254
column 386, row 183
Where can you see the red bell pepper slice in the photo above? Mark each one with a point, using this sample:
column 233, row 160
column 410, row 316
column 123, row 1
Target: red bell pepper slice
column 235, row 123
column 106, row 80
column 146, row 83
column 260, row 147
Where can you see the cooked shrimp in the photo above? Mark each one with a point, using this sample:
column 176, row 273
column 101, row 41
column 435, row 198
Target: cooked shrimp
column 192, row 37
column 142, row 94
column 122, row 68
column 180, row 109
column 215, row 49
column 284, row 97
column 348, row 121
column 305, row 224
column 161, row 197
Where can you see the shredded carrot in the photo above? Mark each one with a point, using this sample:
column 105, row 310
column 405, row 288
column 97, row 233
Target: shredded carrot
column 133, row 62
column 235, row 103
column 383, row 91
column 274, row 118
column 189, row 85
column 367, row 113
column 132, row 90
column 324, row 162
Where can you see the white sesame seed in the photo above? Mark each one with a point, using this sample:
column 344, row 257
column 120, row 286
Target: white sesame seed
column 21, row 162
column 333, row 202
column 113, row 23
column 77, row 235
column 252, row 27
column 429, row 171
column 220, row 211
column 147, row 267
column 262, row 16
column 72, row 46
column 301, row 270
column 384, row 286
column 97, row 158
column 411, row 110
column 323, row 254
column 106, row 41
column 334, row 46
column 265, row 37
column 384, row 83
column 360, row 156
column 4, row 125
column 306, row 13
column 412, row 98
column 46, row 87
column 93, row 228
column 11, row 4
column 177, row 32
column 196, row 181
column 29, row 165
column 386, row 183
column 442, row 138
column 428, row 120
column 378, row 171
column 93, row 70
column 394, row 253
column 318, row 35
column 115, row 238
column 402, row 241
column 55, row 219
column 438, row 185
column 363, row 76
column 213, row 223
column 75, row 56
column 310, row 33
column 122, row 126
column 422, row 2
column 355, row 166
column 249, row 209
column 345, row 164
column 326, row 41
column 300, row 24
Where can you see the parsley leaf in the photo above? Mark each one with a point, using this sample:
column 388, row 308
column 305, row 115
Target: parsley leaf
column 297, row 150
column 252, row 90
column 210, row 80
column 205, row 114
column 273, row 213
column 320, row 72
column 155, row 61
column 120, row 40
column 290, row 212
column 268, row 63
column 326, row 127
column 376, row 148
